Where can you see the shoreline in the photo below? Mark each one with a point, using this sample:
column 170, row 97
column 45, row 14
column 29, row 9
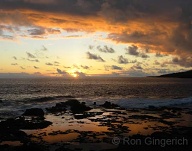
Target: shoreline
column 71, row 125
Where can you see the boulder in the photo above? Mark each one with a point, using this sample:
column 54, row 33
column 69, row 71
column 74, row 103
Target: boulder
column 34, row 112
column 109, row 105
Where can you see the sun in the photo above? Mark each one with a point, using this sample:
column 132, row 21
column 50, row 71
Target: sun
column 74, row 75
column 74, row 72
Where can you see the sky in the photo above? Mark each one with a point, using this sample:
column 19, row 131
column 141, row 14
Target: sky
column 85, row 38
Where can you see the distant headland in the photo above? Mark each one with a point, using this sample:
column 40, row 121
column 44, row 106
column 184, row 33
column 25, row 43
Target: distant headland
column 186, row 74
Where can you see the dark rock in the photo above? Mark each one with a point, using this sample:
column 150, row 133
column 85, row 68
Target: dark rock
column 75, row 107
column 83, row 103
column 143, row 117
column 72, row 102
column 31, row 147
column 36, row 124
column 21, row 123
column 109, row 105
column 34, row 112
column 59, row 107
column 80, row 108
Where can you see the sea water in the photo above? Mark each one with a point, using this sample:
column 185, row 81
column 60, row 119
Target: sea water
column 16, row 95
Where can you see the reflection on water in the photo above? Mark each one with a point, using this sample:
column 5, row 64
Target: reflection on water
column 11, row 143
column 110, row 123
column 60, row 137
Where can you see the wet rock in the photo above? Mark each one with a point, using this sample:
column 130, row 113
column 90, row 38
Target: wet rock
column 168, row 115
column 79, row 108
column 59, row 107
column 31, row 147
column 21, row 123
column 75, row 107
column 72, row 102
column 34, row 112
column 13, row 135
column 10, row 131
column 143, row 117
column 109, row 105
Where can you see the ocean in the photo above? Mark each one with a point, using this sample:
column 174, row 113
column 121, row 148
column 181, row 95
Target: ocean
column 16, row 95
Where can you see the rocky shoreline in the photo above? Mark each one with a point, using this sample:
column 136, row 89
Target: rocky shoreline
column 72, row 125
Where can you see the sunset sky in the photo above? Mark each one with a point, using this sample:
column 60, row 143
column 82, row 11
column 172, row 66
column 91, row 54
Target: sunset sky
column 79, row 38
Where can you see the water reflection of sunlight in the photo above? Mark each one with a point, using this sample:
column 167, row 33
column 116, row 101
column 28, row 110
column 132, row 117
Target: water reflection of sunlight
column 60, row 137
column 143, row 127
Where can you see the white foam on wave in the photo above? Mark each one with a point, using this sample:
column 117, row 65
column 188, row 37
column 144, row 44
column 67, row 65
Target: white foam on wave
column 140, row 102
column 144, row 103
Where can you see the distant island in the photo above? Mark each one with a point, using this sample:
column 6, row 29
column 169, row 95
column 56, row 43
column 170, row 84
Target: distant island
column 186, row 74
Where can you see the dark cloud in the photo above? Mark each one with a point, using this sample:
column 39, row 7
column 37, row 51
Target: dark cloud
column 56, row 63
column 137, row 67
column 73, row 7
column 30, row 55
column 164, row 71
column 134, row 73
column 15, row 58
column 22, row 68
column 6, row 37
column 181, row 39
column 33, row 60
column 156, row 62
column 71, row 30
column 158, row 54
column 61, row 72
column 122, row 60
column 53, row 31
column 14, row 64
column 125, row 10
column 80, row 74
column 183, row 62
column 91, row 47
column 67, row 67
column 35, row 32
column 143, row 55
column 73, row 36
column 49, row 64
column 21, row 75
column 94, row 57
column 85, row 67
column 133, row 50
column 42, row 32
column 76, row 66
column 137, row 37
column 111, row 10
column 105, row 49
column 44, row 48
column 114, row 67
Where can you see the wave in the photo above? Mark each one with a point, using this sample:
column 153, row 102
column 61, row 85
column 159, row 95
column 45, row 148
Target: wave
column 145, row 103
column 47, row 98
column 139, row 102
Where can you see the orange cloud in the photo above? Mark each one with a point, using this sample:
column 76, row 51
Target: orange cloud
column 159, row 26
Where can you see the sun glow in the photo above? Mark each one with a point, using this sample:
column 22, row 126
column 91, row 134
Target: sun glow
column 73, row 72
column 74, row 75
